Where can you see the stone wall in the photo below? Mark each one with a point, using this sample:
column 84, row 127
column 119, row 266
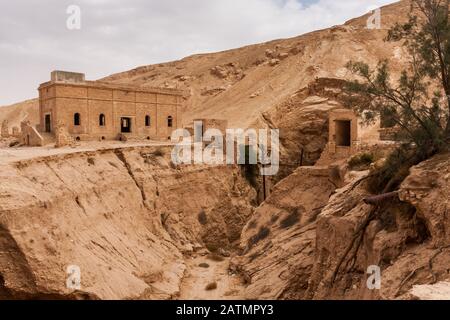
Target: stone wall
column 30, row 135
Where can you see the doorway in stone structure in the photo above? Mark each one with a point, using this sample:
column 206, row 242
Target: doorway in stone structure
column 343, row 133
column 48, row 123
column 125, row 125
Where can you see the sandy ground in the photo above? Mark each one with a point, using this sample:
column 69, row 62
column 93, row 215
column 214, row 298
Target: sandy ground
column 8, row 155
column 197, row 278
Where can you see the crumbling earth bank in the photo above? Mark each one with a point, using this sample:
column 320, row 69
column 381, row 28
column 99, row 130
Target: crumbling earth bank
column 292, row 248
column 124, row 217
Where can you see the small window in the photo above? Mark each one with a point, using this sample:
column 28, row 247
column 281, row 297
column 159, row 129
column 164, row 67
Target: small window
column 102, row 120
column 148, row 121
column 170, row 121
column 76, row 119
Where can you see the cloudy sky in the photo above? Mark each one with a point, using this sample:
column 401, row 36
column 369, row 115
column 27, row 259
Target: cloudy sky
column 117, row 35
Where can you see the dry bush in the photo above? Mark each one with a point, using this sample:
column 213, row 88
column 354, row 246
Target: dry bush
column 361, row 161
column 252, row 225
column 292, row 219
column 158, row 153
column 215, row 257
column 202, row 218
column 261, row 235
column 13, row 143
column 211, row 286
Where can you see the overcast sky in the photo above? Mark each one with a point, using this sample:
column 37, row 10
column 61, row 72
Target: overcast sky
column 117, row 35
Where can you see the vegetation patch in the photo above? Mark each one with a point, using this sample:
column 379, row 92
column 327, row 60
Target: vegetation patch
column 203, row 265
column 202, row 218
column 215, row 257
column 252, row 225
column 211, row 286
column 292, row 219
column 261, row 235
column 361, row 162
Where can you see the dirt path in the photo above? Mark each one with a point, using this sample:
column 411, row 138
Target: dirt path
column 229, row 287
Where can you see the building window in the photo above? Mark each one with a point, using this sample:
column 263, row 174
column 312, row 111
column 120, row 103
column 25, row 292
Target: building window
column 170, row 121
column 76, row 119
column 102, row 120
column 148, row 121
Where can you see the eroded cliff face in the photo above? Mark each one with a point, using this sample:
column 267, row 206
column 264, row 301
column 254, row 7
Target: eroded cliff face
column 297, row 238
column 123, row 216
column 279, row 241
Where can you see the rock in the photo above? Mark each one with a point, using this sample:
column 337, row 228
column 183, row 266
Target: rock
column 219, row 72
column 295, row 50
column 426, row 188
column 259, row 61
column 283, row 55
column 212, row 91
column 270, row 54
column 279, row 266
column 274, row 62
column 223, row 252
column 254, row 95
column 438, row 291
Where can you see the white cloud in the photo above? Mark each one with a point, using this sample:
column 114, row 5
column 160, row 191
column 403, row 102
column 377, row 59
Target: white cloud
column 117, row 35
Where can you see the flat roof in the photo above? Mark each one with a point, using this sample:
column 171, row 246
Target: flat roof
column 113, row 86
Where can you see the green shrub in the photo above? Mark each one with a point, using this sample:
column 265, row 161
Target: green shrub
column 388, row 177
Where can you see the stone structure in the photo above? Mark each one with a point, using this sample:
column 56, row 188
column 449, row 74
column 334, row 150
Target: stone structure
column 343, row 136
column 5, row 129
column 62, row 137
column 30, row 136
column 16, row 132
column 94, row 110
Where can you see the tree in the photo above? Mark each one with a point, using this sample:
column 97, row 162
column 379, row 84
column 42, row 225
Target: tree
column 419, row 102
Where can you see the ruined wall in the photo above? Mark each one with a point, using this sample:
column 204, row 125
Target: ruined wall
column 30, row 135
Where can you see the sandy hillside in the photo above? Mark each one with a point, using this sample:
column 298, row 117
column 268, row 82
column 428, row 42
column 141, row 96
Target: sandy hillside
column 26, row 110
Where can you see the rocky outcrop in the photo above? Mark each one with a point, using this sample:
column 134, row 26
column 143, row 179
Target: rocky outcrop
column 123, row 216
column 407, row 239
column 427, row 189
column 279, row 241
column 303, row 123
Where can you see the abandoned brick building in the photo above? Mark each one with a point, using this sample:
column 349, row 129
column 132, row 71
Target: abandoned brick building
column 94, row 110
